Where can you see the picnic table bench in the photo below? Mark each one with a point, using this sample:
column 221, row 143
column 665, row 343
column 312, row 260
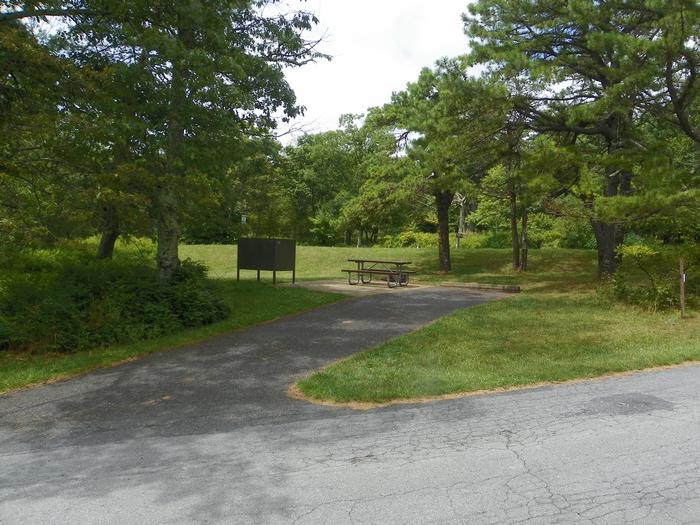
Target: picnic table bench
column 395, row 272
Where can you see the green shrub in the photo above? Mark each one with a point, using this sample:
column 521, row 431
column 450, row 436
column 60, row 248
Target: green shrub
column 661, row 294
column 633, row 241
column 411, row 239
column 486, row 240
column 544, row 231
column 473, row 240
column 67, row 305
column 414, row 239
column 547, row 231
column 648, row 277
column 574, row 233
column 500, row 239
column 541, row 231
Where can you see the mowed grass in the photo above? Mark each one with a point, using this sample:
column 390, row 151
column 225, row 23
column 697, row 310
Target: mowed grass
column 521, row 340
column 550, row 269
column 556, row 330
column 250, row 303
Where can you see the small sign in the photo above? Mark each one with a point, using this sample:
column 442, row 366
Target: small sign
column 244, row 219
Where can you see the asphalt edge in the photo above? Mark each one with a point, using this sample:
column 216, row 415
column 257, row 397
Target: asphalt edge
column 510, row 288
column 295, row 393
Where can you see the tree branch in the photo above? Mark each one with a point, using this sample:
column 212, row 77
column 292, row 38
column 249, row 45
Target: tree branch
column 43, row 13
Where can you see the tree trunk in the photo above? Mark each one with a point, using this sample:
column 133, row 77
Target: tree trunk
column 514, row 228
column 609, row 236
column 168, row 233
column 109, row 232
column 443, row 200
column 460, row 224
column 606, row 236
column 359, row 238
column 167, row 199
column 523, row 242
column 373, row 235
column 617, row 182
column 107, row 241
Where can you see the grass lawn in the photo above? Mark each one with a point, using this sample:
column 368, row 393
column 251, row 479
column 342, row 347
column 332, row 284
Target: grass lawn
column 522, row 340
column 250, row 303
column 550, row 269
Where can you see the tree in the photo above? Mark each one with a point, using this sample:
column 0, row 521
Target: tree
column 337, row 179
column 35, row 170
column 445, row 124
column 198, row 79
column 322, row 171
column 386, row 200
column 588, row 64
column 677, row 56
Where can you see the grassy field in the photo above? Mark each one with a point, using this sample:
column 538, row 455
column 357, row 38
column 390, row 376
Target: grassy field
column 250, row 303
column 522, row 340
column 550, row 269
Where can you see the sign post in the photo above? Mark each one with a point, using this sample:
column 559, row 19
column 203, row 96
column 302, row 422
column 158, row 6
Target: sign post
column 682, row 283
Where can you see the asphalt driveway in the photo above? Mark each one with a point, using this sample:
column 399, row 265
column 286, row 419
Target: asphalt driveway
column 205, row 434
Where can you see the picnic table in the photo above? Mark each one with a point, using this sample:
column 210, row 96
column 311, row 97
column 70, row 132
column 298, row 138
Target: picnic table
column 395, row 272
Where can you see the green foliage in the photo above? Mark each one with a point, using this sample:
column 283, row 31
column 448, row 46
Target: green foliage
column 474, row 240
column 544, row 230
column 574, row 233
column 649, row 276
column 588, row 74
column 500, row 239
column 547, row 231
column 128, row 117
column 490, row 214
column 35, row 208
column 660, row 294
column 343, row 181
column 68, row 303
column 411, row 239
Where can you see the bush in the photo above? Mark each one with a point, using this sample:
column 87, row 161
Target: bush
column 487, row 240
column 547, row 231
column 414, row 239
column 66, row 305
column 648, row 277
column 661, row 294
column 473, row 240
column 411, row 239
column 574, row 233
column 500, row 239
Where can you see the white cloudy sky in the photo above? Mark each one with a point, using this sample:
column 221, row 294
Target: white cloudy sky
column 377, row 47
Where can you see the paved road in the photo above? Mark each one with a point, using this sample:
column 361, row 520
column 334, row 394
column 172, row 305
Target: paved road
column 205, row 435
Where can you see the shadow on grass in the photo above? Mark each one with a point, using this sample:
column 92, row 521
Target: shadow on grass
column 548, row 270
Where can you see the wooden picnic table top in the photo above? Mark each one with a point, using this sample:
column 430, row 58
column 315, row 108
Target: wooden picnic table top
column 377, row 261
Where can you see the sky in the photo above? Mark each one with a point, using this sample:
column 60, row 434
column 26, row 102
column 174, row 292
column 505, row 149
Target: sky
column 377, row 47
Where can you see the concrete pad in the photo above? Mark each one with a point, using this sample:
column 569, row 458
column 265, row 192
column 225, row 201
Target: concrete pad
column 342, row 286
